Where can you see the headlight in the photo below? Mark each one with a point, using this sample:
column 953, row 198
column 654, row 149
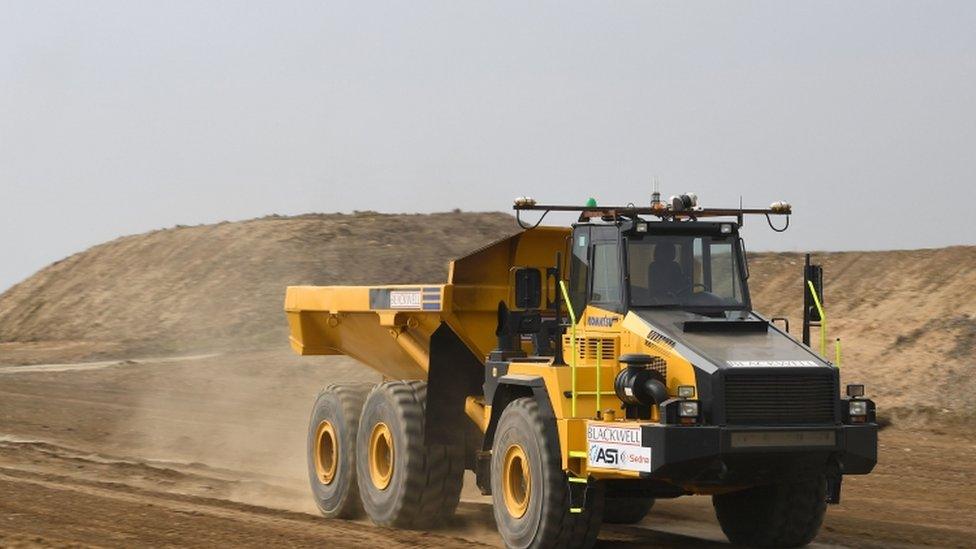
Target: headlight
column 859, row 408
column 688, row 409
column 686, row 391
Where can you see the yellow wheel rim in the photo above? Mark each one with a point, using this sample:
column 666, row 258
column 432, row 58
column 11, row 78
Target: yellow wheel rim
column 326, row 452
column 516, row 481
column 381, row 456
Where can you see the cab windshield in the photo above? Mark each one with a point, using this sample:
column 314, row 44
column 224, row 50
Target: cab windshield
column 685, row 271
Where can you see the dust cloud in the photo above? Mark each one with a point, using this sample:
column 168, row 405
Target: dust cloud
column 242, row 416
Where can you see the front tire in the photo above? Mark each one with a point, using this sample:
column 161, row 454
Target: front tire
column 777, row 515
column 331, row 452
column 530, row 491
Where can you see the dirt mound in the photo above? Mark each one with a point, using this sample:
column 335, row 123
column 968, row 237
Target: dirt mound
column 907, row 319
column 222, row 286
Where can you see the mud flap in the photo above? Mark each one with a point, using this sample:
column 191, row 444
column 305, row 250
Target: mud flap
column 454, row 373
column 482, row 472
column 579, row 488
column 834, row 479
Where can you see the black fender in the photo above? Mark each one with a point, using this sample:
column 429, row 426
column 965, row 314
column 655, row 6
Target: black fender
column 502, row 391
column 511, row 387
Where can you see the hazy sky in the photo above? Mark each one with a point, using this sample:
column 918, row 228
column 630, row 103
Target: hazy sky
column 121, row 117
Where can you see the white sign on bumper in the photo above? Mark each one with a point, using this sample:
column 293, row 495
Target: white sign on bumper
column 614, row 447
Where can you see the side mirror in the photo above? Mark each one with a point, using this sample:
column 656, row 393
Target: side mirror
column 745, row 258
column 813, row 274
column 528, row 288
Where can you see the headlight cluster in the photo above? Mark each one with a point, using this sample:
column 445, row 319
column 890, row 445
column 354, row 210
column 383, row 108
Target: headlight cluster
column 682, row 410
column 688, row 410
column 858, row 408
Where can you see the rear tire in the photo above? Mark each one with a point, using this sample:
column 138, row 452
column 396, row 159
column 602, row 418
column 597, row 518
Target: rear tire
column 626, row 509
column 403, row 482
column 530, row 491
column 777, row 515
column 331, row 452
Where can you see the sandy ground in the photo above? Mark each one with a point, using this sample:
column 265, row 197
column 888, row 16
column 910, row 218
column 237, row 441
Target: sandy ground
column 208, row 450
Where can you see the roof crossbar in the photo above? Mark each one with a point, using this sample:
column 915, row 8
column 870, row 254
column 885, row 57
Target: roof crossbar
column 661, row 211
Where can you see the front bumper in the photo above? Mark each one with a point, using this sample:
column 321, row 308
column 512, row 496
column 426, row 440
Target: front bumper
column 732, row 454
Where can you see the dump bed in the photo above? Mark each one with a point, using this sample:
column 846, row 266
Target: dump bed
column 389, row 328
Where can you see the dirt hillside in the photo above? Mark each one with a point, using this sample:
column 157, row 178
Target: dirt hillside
column 907, row 319
column 221, row 286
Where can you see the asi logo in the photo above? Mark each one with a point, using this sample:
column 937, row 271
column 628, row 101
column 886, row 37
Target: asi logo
column 608, row 456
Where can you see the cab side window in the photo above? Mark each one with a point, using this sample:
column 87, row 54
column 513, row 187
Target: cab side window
column 579, row 269
column 725, row 272
column 606, row 273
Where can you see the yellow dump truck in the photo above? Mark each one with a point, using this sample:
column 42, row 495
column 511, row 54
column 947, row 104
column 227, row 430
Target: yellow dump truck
column 582, row 373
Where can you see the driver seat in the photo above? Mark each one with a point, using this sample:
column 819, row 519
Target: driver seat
column 664, row 275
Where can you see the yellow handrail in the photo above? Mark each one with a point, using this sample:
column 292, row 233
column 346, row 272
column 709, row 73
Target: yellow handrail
column 823, row 319
column 572, row 343
column 599, row 355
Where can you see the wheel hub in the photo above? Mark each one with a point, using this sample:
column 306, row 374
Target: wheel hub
column 326, row 452
column 516, row 481
column 381, row 456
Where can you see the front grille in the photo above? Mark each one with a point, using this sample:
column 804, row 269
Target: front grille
column 766, row 397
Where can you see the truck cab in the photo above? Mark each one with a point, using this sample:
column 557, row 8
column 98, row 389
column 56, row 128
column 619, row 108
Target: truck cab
column 695, row 266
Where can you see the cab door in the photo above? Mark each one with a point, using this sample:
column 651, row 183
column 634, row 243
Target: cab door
column 606, row 277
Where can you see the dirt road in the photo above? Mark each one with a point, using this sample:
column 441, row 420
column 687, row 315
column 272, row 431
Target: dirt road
column 209, row 450
column 54, row 510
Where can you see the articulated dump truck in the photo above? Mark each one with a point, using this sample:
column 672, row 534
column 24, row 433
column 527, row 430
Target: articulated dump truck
column 582, row 373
